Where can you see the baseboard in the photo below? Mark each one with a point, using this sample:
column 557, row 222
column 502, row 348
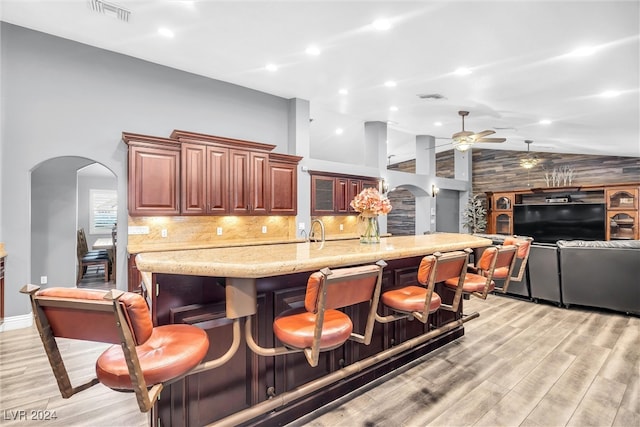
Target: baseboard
column 16, row 322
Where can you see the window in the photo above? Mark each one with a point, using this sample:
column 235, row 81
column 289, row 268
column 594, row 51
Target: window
column 103, row 210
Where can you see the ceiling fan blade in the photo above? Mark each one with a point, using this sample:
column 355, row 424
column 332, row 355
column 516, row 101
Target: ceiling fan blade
column 491, row 140
column 484, row 133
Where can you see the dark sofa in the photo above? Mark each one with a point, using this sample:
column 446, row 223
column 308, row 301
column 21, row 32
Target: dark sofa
column 600, row 274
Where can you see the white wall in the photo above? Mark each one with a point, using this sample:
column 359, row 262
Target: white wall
column 61, row 98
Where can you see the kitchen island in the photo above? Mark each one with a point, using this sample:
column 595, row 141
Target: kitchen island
column 215, row 288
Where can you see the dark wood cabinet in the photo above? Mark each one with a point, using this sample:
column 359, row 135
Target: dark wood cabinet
column 332, row 194
column 154, row 178
column 205, row 171
column 198, row 174
column 248, row 379
column 248, row 182
column 323, row 195
column 283, row 184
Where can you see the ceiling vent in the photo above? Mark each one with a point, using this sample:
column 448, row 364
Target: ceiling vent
column 430, row 96
column 109, row 9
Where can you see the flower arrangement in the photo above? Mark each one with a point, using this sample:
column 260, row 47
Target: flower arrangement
column 371, row 203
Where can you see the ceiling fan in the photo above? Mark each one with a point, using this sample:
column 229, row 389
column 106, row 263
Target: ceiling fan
column 465, row 139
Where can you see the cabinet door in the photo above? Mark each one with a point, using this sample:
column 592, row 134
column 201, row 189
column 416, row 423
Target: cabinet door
column 154, row 180
column 622, row 198
column 193, row 185
column 342, row 195
column 355, row 187
column 283, row 183
column 217, row 180
column 503, row 222
column 622, row 225
column 503, row 201
column 259, row 183
column 249, row 182
column 322, row 195
column 239, row 181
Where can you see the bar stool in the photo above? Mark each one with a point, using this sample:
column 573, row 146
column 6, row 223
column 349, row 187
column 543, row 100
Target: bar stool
column 478, row 280
column 319, row 325
column 143, row 357
column 420, row 301
column 522, row 254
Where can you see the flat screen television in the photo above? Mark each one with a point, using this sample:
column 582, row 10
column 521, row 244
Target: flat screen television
column 548, row 223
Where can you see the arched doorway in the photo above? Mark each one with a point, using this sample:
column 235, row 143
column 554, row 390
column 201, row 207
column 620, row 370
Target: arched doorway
column 58, row 209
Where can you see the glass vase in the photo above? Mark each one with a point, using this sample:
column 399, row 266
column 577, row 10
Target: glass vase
column 370, row 232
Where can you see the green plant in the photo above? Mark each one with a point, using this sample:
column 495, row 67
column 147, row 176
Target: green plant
column 475, row 215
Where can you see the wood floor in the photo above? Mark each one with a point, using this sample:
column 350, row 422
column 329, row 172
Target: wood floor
column 519, row 364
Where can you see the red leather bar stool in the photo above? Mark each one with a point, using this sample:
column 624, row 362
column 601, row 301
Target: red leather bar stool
column 420, row 301
column 142, row 358
column 522, row 254
column 319, row 325
column 478, row 280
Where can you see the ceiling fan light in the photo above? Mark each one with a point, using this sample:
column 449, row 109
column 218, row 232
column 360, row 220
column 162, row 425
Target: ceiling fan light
column 462, row 144
column 528, row 163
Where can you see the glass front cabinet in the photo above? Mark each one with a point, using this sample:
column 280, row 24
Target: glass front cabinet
column 622, row 213
column 501, row 213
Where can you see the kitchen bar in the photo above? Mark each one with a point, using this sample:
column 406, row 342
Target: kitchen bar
column 219, row 288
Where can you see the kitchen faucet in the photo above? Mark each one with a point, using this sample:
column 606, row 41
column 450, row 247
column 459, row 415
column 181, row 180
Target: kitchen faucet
column 312, row 234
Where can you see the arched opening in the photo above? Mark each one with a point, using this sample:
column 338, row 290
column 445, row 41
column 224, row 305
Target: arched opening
column 60, row 205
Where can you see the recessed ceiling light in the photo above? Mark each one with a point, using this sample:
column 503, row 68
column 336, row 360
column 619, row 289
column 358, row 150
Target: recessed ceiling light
column 610, row 94
column 583, row 51
column 165, row 32
column 437, row 123
column 462, row 71
column 271, row 67
column 339, row 131
column 381, row 24
column 343, row 92
column 545, row 122
column 393, row 108
column 390, row 83
column 313, row 50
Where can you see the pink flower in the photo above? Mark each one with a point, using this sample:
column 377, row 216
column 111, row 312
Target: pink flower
column 370, row 203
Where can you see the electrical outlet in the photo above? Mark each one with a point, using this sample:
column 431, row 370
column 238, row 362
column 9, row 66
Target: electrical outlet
column 43, row 280
column 301, row 226
column 219, row 231
column 264, row 229
column 341, row 227
column 163, row 233
column 140, row 229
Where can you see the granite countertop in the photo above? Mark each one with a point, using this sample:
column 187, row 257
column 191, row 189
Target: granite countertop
column 183, row 246
column 257, row 261
column 3, row 253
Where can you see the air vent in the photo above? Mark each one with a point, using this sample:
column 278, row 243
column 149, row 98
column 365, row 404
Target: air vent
column 430, row 96
column 109, row 9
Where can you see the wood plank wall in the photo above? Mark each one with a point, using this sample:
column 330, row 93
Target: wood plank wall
column 499, row 170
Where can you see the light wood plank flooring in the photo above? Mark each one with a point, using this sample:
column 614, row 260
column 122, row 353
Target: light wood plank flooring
column 519, row 364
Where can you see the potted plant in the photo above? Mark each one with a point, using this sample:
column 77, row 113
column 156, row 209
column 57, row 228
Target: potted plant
column 475, row 215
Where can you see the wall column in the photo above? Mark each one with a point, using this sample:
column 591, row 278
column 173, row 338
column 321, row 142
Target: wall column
column 375, row 155
column 299, row 144
column 463, row 170
column 426, row 166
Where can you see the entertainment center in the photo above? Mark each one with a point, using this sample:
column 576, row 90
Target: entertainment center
column 589, row 212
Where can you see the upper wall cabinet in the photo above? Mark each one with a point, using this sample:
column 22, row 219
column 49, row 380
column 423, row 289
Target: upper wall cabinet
column 283, row 184
column 331, row 194
column 154, row 178
column 219, row 176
